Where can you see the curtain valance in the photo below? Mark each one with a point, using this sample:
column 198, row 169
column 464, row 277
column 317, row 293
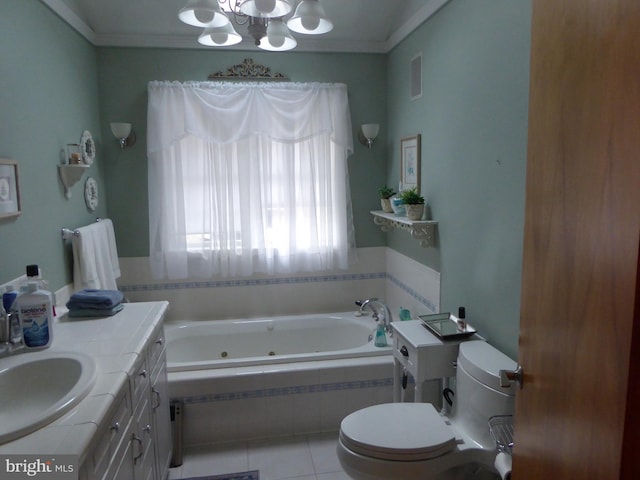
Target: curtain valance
column 224, row 112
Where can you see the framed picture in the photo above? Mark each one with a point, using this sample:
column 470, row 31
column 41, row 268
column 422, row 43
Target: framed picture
column 410, row 162
column 9, row 192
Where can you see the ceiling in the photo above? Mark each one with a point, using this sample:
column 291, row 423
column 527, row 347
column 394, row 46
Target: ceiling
column 374, row 26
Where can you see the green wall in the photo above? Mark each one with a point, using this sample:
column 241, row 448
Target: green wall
column 473, row 120
column 48, row 96
column 123, row 77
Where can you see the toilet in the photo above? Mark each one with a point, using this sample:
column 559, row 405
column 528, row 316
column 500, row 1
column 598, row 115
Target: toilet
column 404, row 441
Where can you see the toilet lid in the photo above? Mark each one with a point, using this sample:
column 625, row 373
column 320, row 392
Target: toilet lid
column 398, row 431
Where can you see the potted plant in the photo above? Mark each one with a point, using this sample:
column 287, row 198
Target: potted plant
column 414, row 203
column 385, row 198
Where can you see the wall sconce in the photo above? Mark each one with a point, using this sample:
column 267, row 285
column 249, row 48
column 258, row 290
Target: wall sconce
column 124, row 134
column 368, row 133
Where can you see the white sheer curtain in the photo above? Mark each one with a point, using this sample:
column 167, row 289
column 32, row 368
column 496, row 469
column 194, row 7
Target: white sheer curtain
column 247, row 178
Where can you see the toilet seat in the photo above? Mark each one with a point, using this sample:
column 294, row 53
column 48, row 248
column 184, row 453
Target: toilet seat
column 398, row 431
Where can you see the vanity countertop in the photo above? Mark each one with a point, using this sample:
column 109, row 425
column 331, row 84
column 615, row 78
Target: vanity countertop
column 115, row 343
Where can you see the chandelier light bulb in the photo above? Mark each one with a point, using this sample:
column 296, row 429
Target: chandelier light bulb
column 219, row 38
column 203, row 13
column 310, row 18
column 265, row 6
column 275, row 34
column 204, row 16
column 223, row 36
column 310, row 23
column 278, row 37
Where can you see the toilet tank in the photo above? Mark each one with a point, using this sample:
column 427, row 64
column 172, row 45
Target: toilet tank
column 478, row 394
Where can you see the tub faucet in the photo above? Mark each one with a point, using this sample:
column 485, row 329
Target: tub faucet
column 378, row 307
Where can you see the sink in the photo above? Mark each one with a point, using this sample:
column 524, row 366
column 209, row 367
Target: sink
column 37, row 388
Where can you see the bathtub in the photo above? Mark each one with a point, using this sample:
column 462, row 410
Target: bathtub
column 247, row 379
column 211, row 344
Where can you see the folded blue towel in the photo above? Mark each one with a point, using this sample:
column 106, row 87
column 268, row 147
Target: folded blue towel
column 95, row 299
column 93, row 312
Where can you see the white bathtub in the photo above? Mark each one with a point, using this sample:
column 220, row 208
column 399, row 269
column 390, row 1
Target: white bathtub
column 211, row 344
column 323, row 367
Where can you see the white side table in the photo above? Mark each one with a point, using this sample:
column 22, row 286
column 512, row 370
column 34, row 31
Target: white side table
column 421, row 354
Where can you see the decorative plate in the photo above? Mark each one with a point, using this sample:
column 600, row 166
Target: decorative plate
column 91, row 193
column 88, row 147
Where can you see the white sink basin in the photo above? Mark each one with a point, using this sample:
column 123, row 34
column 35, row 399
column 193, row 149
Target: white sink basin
column 36, row 388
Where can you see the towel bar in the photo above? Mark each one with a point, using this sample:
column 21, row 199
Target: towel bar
column 67, row 233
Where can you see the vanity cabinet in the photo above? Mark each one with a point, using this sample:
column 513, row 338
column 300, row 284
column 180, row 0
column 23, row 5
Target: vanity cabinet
column 135, row 441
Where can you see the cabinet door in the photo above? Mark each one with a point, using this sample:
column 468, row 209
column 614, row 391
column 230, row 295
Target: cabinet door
column 161, row 417
column 143, row 444
column 124, row 469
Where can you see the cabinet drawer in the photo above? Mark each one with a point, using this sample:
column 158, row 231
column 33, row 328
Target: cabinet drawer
column 139, row 381
column 156, row 348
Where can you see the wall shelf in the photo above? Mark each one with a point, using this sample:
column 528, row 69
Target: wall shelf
column 70, row 174
column 422, row 230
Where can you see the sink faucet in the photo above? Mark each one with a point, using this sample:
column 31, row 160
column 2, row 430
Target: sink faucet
column 10, row 336
column 378, row 307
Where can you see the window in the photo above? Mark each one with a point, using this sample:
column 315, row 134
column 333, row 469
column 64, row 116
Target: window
column 247, row 178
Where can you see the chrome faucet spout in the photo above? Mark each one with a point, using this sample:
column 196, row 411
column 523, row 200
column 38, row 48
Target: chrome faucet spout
column 378, row 308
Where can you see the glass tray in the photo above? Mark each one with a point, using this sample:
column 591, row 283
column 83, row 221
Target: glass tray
column 446, row 325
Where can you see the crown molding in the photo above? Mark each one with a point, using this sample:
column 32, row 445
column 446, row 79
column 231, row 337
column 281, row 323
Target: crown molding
column 421, row 16
column 69, row 16
column 190, row 41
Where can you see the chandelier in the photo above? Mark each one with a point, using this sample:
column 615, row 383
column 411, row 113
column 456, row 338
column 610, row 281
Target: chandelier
column 265, row 20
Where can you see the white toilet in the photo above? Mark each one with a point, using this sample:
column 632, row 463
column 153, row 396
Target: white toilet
column 405, row 441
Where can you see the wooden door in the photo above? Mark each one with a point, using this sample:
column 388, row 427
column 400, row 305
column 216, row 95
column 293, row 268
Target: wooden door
column 574, row 417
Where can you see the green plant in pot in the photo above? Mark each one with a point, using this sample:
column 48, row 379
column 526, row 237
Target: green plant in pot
column 385, row 198
column 414, row 203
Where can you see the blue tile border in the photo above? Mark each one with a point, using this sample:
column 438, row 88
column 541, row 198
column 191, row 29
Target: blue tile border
column 253, row 282
column 285, row 391
column 411, row 292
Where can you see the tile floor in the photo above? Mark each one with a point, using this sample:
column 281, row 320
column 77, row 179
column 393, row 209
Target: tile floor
column 308, row 457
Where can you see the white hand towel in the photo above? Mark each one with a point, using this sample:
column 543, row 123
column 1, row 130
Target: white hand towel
column 113, row 250
column 95, row 257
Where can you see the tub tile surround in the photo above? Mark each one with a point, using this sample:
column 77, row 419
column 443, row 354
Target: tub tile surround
column 378, row 272
column 251, row 403
column 115, row 353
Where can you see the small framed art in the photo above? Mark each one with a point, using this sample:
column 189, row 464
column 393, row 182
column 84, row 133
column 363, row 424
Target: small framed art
column 9, row 191
column 410, row 162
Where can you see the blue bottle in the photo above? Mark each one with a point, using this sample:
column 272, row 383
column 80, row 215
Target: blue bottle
column 381, row 338
column 9, row 298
